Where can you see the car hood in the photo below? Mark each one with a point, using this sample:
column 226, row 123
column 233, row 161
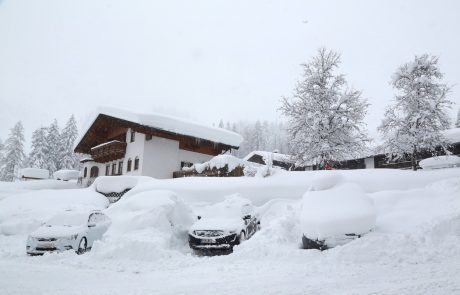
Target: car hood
column 56, row 231
column 225, row 224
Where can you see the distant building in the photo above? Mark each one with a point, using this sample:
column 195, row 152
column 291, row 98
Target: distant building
column 26, row 174
column 121, row 142
column 272, row 158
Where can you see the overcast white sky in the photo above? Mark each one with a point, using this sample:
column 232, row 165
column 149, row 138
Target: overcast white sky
column 206, row 60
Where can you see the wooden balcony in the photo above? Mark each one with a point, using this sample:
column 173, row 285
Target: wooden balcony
column 109, row 151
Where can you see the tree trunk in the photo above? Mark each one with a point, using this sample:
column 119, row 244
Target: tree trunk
column 414, row 159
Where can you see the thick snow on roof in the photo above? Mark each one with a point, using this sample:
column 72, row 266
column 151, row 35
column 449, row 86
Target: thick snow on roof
column 34, row 173
column 105, row 143
column 275, row 156
column 440, row 162
column 173, row 124
column 66, row 174
column 453, row 135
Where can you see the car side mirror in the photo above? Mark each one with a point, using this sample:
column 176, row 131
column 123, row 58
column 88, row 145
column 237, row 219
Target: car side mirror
column 92, row 224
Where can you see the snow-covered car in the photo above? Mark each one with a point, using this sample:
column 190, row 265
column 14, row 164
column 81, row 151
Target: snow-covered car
column 440, row 162
column 69, row 230
column 224, row 225
column 336, row 215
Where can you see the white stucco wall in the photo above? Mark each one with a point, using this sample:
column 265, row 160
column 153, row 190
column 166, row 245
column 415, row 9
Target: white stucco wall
column 158, row 158
column 133, row 150
column 162, row 157
column 192, row 157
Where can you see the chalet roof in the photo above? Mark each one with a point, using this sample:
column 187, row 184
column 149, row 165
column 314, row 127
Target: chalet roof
column 167, row 124
column 275, row 156
column 35, row 173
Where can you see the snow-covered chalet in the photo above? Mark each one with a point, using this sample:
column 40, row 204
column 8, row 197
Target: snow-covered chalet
column 120, row 142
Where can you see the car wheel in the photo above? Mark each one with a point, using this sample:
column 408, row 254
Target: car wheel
column 242, row 237
column 82, row 246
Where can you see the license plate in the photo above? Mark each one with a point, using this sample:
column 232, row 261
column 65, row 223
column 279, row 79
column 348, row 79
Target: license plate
column 208, row 241
column 46, row 245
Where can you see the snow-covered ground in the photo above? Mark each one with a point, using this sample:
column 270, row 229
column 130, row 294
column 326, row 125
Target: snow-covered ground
column 412, row 250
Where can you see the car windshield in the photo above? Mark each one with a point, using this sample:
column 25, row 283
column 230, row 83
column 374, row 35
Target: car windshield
column 68, row 219
column 232, row 207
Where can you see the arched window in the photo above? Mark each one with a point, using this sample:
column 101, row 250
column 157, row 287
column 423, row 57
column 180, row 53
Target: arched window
column 94, row 172
column 136, row 163
column 128, row 166
column 85, row 172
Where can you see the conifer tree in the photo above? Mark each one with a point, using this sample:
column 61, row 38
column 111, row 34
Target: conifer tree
column 68, row 159
column 14, row 153
column 38, row 156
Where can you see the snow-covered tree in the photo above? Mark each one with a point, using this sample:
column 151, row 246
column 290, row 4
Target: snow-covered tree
column 325, row 116
column 457, row 124
column 2, row 157
column 38, row 155
column 14, row 153
column 53, row 148
column 68, row 159
column 413, row 123
column 258, row 137
column 221, row 123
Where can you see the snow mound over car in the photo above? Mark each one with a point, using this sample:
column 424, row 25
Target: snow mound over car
column 146, row 226
column 25, row 212
column 279, row 235
column 337, row 211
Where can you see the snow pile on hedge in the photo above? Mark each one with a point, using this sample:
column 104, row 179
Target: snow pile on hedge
column 117, row 184
column 13, row 188
column 334, row 212
column 23, row 213
column 146, row 226
column 66, row 175
column 440, row 162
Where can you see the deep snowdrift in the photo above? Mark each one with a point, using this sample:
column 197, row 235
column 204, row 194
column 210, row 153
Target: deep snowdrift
column 13, row 188
column 146, row 226
column 23, row 213
column 335, row 212
column 412, row 250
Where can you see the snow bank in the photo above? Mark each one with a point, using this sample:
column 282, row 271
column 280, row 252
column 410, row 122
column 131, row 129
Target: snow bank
column 290, row 184
column 25, row 212
column 440, row 162
column 66, row 175
column 34, row 173
column 334, row 212
column 146, row 226
column 117, row 184
column 13, row 188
